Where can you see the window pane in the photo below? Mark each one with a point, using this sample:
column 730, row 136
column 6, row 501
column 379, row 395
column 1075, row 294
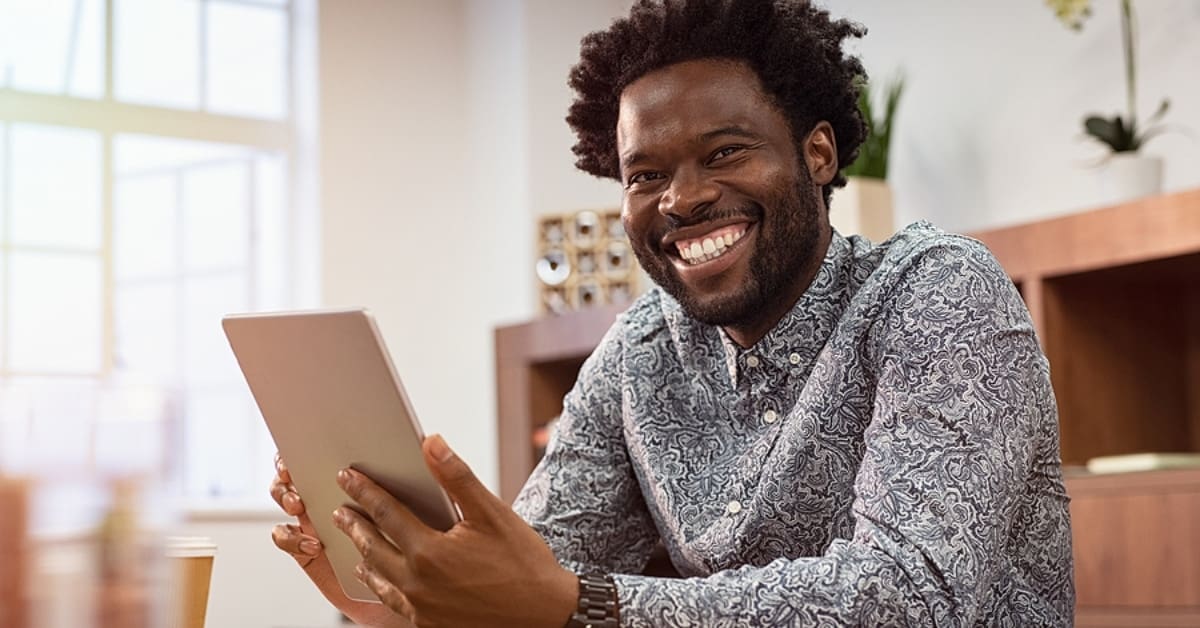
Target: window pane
column 220, row 447
column 57, row 428
column 15, row 408
column 55, row 186
column 145, row 240
column 146, row 154
column 3, row 178
column 3, row 305
column 132, row 428
column 53, row 46
column 207, row 357
column 157, row 52
column 247, row 60
column 55, row 313
column 147, row 329
column 216, row 216
column 271, row 234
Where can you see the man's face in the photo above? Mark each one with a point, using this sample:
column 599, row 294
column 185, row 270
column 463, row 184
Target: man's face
column 720, row 210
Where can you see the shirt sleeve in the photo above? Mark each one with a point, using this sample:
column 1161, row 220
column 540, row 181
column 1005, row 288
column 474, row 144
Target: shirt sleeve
column 583, row 497
column 963, row 416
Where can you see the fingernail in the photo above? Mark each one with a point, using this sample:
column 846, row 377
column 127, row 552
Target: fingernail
column 310, row 547
column 339, row 517
column 360, row 572
column 438, row 448
column 343, row 477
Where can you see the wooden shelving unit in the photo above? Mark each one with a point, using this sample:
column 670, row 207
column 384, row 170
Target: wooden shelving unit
column 1115, row 297
column 536, row 365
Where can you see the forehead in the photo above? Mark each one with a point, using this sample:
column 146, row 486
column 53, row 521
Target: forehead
column 692, row 97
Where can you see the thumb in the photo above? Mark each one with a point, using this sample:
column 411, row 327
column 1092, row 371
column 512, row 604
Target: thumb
column 473, row 498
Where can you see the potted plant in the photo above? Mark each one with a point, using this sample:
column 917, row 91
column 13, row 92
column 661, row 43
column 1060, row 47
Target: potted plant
column 1127, row 173
column 865, row 205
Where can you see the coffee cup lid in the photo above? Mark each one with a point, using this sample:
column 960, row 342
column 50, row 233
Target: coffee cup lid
column 190, row 546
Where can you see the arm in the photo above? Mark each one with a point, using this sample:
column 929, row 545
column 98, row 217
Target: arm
column 963, row 399
column 583, row 497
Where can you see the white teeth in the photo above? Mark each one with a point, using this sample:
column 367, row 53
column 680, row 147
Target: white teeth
column 712, row 247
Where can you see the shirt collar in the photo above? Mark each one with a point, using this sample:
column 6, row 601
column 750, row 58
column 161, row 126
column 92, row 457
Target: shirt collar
column 793, row 344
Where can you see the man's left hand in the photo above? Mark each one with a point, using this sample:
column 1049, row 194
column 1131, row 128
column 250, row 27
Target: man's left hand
column 490, row 569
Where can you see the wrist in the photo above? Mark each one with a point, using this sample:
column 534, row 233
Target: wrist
column 562, row 599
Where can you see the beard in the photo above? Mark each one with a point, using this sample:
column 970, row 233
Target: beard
column 787, row 239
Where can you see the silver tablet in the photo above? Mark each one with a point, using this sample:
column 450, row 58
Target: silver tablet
column 331, row 399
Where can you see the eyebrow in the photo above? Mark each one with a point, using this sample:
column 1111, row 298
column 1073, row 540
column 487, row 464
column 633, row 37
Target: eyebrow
column 631, row 159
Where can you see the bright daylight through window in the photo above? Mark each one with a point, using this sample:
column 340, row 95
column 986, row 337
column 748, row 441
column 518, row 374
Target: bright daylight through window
column 146, row 189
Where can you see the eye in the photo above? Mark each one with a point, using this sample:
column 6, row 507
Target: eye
column 643, row 177
column 724, row 152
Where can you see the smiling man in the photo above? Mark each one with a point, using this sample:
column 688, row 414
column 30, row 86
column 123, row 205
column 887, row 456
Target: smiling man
column 819, row 430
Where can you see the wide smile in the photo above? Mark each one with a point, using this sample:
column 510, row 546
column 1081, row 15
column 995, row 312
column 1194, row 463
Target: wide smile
column 698, row 258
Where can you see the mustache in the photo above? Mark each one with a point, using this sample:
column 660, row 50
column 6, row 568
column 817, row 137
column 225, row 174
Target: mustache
column 749, row 211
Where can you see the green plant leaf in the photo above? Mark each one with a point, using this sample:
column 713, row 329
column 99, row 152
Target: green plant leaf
column 872, row 160
column 1159, row 113
column 1104, row 130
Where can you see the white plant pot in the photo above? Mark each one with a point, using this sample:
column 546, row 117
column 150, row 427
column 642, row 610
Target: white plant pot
column 864, row 207
column 1129, row 176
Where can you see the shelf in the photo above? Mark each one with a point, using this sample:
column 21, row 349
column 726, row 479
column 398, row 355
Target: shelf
column 536, row 365
column 1114, row 294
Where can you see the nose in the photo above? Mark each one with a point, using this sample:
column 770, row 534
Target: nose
column 689, row 194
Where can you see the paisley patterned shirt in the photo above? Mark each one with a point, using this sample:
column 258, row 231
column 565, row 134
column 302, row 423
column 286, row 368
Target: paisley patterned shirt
column 887, row 455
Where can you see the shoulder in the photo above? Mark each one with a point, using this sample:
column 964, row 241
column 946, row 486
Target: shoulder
column 921, row 243
column 646, row 318
column 923, row 257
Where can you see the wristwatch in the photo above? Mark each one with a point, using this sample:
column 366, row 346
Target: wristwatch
column 597, row 603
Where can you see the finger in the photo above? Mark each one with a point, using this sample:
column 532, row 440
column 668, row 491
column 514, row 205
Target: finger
column 282, row 470
column 473, row 498
column 388, row 593
column 291, row 539
column 377, row 552
column 288, row 499
column 388, row 514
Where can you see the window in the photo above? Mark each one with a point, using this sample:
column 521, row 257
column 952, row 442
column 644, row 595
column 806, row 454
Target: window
column 146, row 189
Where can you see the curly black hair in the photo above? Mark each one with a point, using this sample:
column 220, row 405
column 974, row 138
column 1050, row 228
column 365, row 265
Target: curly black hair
column 793, row 46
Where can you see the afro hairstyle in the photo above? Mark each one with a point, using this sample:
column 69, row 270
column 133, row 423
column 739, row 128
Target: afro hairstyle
column 794, row 47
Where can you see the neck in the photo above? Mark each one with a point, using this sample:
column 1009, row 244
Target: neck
column 746, row 335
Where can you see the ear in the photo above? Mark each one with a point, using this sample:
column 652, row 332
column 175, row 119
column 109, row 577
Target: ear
column 820, row 153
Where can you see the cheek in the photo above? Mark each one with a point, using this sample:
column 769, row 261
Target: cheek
column 638, row 218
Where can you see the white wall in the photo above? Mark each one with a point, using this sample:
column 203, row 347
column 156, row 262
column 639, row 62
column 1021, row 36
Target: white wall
column 442, row 138
column 990, row 127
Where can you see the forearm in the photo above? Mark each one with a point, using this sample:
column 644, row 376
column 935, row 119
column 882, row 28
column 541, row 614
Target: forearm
column 851, row 585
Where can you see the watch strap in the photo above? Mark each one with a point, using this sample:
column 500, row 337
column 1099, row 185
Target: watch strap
column 597, row 606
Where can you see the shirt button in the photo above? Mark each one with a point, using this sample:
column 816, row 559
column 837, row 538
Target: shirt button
column 733, row 507
column 770, row 416
column 794, row 358
column 751, row 361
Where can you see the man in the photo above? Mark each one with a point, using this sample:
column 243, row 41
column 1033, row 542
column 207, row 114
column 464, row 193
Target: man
column 819, row 430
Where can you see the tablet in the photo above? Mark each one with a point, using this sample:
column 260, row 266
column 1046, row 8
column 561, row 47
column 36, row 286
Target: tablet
column 331, row 399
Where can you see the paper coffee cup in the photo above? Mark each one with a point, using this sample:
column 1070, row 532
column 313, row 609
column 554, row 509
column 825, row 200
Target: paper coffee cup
column 190, row 561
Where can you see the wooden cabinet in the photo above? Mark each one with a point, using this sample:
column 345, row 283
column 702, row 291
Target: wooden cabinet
column 536, row 365
column 1115, row 297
